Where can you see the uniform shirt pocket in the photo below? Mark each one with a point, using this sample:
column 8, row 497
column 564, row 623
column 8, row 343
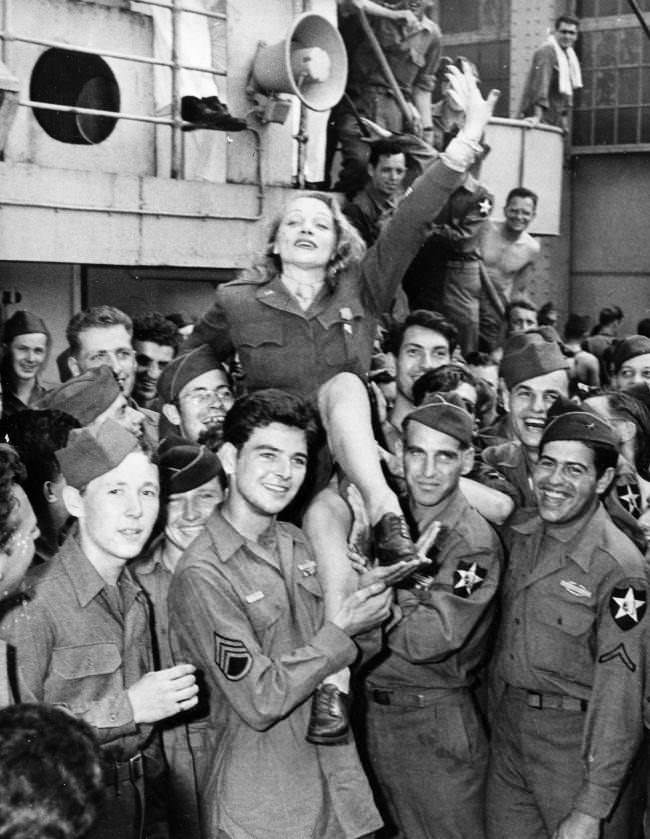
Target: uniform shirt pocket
column 560, row 638
column 87, row 660
column 263, row 614
column 265, row 351
column 345, row 336
column 84, row 674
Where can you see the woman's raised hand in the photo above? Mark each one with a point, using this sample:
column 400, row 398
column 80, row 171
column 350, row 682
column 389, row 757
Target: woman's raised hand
column 466, row 96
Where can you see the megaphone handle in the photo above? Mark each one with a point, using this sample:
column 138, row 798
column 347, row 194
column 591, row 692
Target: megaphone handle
column 386, row 69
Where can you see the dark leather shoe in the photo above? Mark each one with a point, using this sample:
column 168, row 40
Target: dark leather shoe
column 329, row 719
column 393, row 541
column 203, row 115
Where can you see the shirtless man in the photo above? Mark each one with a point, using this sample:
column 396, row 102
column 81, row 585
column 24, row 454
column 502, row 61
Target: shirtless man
column 509, row 255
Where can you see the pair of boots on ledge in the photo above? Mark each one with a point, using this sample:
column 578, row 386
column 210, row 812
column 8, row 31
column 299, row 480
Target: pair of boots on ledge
column 209, row 113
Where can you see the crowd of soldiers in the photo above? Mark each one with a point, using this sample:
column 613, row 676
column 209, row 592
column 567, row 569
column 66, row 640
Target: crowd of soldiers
column 311, row 570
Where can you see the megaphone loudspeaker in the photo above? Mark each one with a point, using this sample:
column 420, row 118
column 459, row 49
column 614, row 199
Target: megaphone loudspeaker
column 311, row 63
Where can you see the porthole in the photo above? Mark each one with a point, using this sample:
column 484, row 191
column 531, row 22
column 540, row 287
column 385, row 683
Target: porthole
column 79, row 79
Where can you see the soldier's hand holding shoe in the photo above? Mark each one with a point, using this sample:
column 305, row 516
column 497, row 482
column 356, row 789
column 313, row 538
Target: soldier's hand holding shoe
column 163, row 693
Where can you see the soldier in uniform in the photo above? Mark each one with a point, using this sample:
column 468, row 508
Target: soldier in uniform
column 246, row 605
column 192, row 483
column 81, row 633
column 445, row 275
column 535, row 374
column 410, row 41
column 425, row 740
column 195, row 394
column 567, row 667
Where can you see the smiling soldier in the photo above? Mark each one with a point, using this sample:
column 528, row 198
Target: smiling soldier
column 567, row 666
column 82, row 631
column 246, row 606
column 196, row 395
column 192, row 483
column 421, row 715
column 535, row 373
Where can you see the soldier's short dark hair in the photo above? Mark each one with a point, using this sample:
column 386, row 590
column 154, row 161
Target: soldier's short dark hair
column 156, row 328
column 522, row 192
column 572, row 20
column 263, row 407
column 427, row 320
column 384, row 148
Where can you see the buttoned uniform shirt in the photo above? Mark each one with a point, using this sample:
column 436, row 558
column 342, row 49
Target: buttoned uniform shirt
column 185, row 736
column 572, row 624
column 442, row 636
column 250, row 616
column 282, row 346
column 78, row 650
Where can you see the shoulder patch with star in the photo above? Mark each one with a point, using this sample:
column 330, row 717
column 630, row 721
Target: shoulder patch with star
column 468, row 576
column 485, row 206
column 231, row 657
column 630, row 497
column 628, row 606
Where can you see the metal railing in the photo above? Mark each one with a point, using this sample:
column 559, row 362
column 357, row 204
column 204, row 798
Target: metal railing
column 8, row 36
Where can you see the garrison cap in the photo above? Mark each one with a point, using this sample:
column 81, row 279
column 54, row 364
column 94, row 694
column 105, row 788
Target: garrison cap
column 581, row 425
column 627, row 348
column 23, row 323
column 185, row 466
column 92, row 453
column 183, row 369
column 84, row 397
column 530, row 354
column 445, row 413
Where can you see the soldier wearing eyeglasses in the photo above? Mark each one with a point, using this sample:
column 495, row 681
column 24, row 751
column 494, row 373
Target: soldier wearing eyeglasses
column 196, row 395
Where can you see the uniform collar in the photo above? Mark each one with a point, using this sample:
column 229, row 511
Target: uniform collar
column 585, row 533
column 381, row 201
column 153, row 558
column 86, row 581
column 448, row 512
column 227, row 540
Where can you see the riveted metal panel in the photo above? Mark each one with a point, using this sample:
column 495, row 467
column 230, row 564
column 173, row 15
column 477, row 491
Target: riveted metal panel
column 529, row 24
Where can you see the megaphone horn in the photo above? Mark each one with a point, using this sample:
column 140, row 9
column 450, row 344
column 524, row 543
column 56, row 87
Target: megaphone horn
column 311, row 63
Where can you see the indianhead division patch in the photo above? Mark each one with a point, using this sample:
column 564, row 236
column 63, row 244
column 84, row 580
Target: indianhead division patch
column 231, row 657
column 468, row 576
column 485, row 206
column 627, row 606
column 630, row 497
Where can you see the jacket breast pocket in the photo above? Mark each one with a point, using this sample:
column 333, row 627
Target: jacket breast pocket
column 264, row 352
column 87, row 660
column 83, row 674
column 561, row 641
column 345, row 341
column 263, row 614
